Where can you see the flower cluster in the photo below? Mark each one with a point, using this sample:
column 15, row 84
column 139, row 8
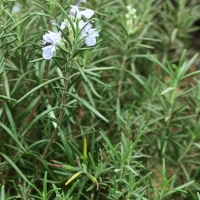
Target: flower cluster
column 131, row 19
column 87, row 33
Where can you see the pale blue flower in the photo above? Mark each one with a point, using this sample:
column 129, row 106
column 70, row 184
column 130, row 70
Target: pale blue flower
column 89, row 33
column 87, row 13
column 75, row 12
column 90, row 40
column 48, row 52
column 85, row 29
column 53, row 39
column 63, row 25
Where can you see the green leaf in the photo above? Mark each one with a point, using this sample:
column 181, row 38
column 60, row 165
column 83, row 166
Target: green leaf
column 111, row 147
column 45, row 184
column 15, row 167
column 69, row 192
column 37, row 119
column 73, row 177
column 8, row 131
column 143, row 178
column 2, row 64
column 178, row 189
column 7, row 98
column 160, row 64
column 19, row 82
column 36, row 60
column 140, row 79
column 198, row 195
column 28, row 109
column 140, row 196
column 100, row 68
column 2, row 192
column 6, row 85
column 167, row 90
column 182, row 58
column 87, row 105
column 37, row 88
column 81, row 71
column 184, row 68
column 67, row 148
column 93, row 90
column 128, row 167
column 11, row 120
column 20, row 22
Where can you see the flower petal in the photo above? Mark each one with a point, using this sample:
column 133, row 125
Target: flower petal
column 51, row 37
column 93, row 32
column 63, row 25
column 47, row 52
column 74, row 12
column 90, row 41
column 87, row 13
column 81, row 24
column 86, row 29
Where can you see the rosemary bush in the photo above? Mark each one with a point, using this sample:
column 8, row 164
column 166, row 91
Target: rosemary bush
column 99, row 100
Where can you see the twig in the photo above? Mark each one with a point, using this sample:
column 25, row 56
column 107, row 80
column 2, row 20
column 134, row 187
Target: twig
column 57, row 127
column 121, row 76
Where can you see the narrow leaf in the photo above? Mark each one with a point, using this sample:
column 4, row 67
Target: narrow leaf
column 73, row 177
column 160, row 64
column 185, row 67
column 12, row 135
column 37, row 88
column 2, row 192
column 38, row 118
column 87, row 105
column 167, row 90
column 7, row 98
column 15, row 167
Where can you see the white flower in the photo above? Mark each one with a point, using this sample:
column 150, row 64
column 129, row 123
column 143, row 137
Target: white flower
column 48, row 52
column 63, row 25
column 87, row 13
column 131, row 19
column 90, row 41
column 16, row 8
column 88, row 32
column 75, row 12
column 85, row 29
column 131, row 12
column 91, row 38
column 53, row 39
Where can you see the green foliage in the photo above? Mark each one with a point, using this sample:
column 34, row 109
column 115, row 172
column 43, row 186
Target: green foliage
column 134, row 98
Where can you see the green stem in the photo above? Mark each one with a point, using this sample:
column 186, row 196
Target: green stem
column 121, row 76
column 63, row 99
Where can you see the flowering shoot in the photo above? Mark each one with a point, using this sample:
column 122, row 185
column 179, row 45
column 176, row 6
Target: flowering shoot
column 77, row 18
